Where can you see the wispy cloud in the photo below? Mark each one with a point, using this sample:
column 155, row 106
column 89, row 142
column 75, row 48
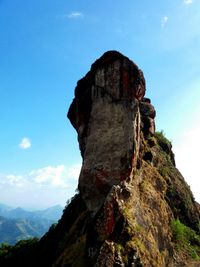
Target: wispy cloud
column 14, row 180
column 25, row 143
column 74, row 15
column 188, row 2
column 164, row 21
column 41, row 187
column 58, row 176
column 50, row 176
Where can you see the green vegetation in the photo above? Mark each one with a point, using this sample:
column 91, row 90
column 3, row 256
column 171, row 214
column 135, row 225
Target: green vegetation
column 5, row 249
column 119, row 247
column 164, row 143
column 161, row 137
column 138, row 228
column 23, row 247
column 27, row 242
column 186, row 239
column 144, row 185
column 13, row 230
column 139, row 244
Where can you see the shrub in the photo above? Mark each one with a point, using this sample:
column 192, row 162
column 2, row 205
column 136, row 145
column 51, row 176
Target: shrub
column 186, row 239
column 163, row 142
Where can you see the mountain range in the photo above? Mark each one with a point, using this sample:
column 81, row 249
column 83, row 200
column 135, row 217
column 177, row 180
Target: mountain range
column 17, row 224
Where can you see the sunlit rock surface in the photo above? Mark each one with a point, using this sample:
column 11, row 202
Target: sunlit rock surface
column 106, row 114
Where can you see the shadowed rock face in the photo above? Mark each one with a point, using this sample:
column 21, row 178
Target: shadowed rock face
column 106, row 114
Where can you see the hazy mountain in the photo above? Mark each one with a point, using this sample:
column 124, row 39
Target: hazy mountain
column 17, row 223
column 4, row 209
column 13, row 230
column 19, row 213
column 52, row 213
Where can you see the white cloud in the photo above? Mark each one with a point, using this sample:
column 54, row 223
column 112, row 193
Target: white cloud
column 51, row 176
column 187, row 158
column 42, row 187
column 15, row 180
column 11, row 180
column 188, row 2
column 75, row 15
column 164, row 21
column 74, row 171
column 25, row 143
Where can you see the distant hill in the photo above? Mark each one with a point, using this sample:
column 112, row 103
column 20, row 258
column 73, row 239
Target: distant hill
column 52, row 213
column 4, row 209
column 13, row 230
column 17, row 224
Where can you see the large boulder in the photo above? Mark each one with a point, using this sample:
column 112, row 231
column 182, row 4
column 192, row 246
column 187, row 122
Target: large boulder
column 106, row 114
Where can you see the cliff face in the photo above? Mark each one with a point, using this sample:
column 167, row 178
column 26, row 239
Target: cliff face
column 128, row 181
column 134, row 207
column 105, row 113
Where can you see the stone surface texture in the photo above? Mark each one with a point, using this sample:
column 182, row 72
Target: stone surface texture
column 106, row 114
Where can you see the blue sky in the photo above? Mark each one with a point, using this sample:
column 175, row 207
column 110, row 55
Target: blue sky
column 46, row 46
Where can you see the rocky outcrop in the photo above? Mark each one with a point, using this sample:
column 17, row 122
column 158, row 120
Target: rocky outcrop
column 134, row 207
column 106, row 114
column 128, row 179
column 148, row 114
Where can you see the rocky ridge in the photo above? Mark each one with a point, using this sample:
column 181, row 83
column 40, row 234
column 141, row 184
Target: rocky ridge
column 134, row 207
